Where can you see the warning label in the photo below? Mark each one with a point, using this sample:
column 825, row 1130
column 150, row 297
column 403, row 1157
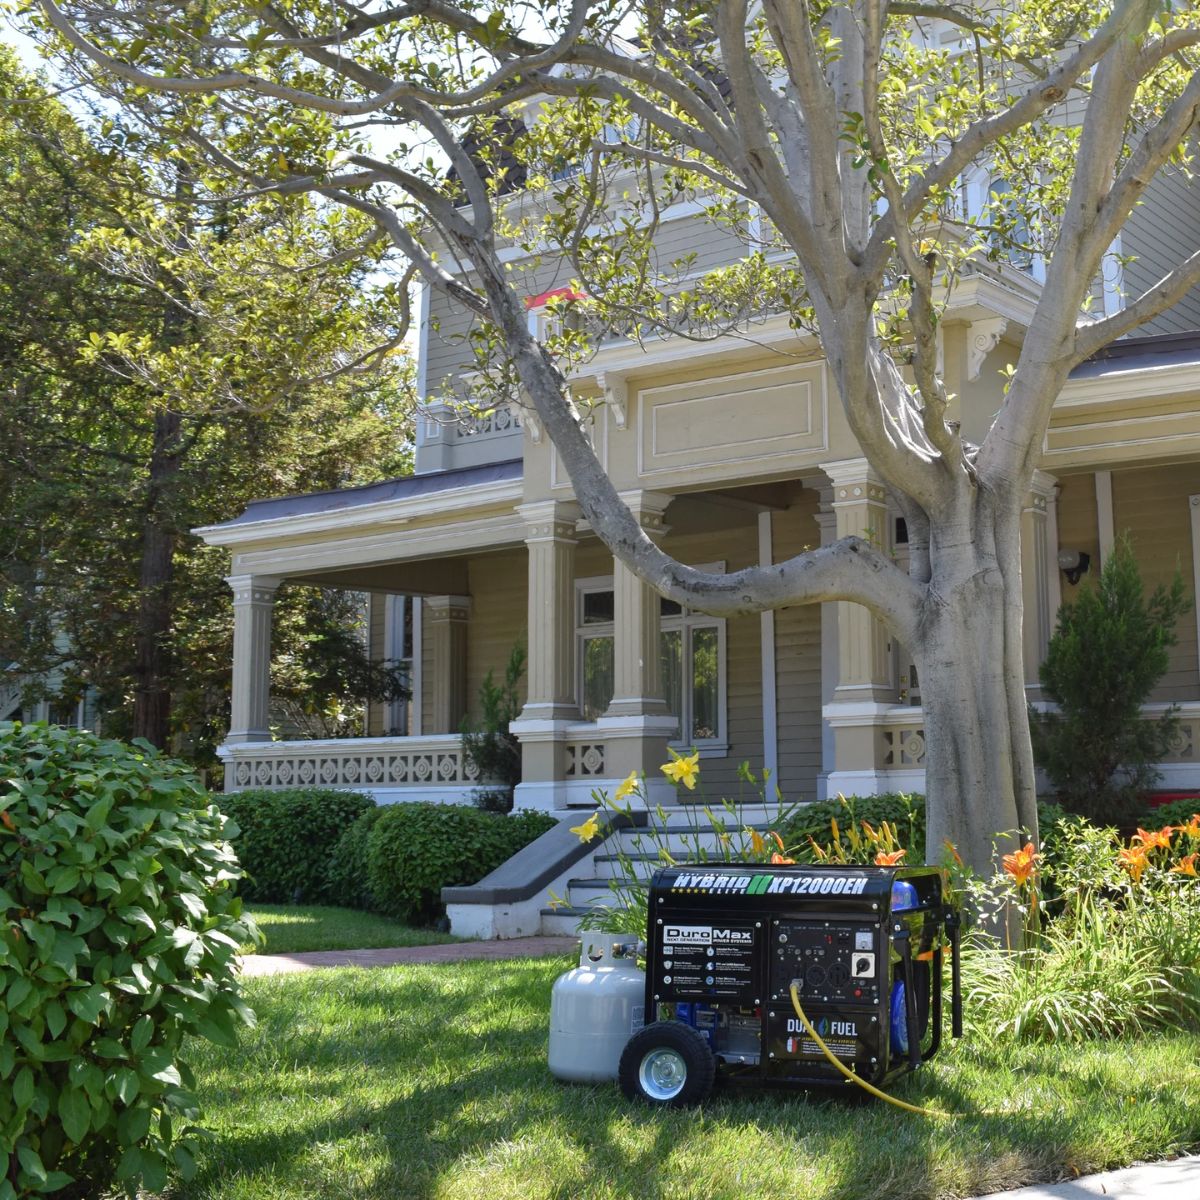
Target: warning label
column 711, row 962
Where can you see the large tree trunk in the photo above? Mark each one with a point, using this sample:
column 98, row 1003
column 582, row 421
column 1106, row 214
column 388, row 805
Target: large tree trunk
column 978, row 762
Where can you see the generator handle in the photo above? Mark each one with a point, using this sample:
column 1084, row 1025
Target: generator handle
column 903, row 943
column 953, row 924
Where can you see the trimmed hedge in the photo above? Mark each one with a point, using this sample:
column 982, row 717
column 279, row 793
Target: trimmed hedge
column 1174, row 812
column 118, row 940
column 415, row 850
column 906, row 811
column 346, row 880
column 287, row 838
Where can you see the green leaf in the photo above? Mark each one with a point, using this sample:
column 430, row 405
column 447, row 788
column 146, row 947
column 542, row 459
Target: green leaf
column 143, row 1031
column 22, row 1092
column 126, row 1084
column 75, row 1113
column 18, row 990
column 56, row 1019
column 31, row 1162
column 88, row 1004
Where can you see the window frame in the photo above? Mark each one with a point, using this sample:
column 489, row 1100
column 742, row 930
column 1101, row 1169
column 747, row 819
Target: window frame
column 684, row 622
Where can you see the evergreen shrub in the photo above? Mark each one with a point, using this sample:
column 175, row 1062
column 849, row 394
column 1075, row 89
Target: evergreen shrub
column 491, row 746
column 415, row 850
column 346, row 880
column 287, row 838
column 118, row 941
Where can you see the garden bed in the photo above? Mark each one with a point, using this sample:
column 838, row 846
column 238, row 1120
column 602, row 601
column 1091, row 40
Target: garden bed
column 431, row 1082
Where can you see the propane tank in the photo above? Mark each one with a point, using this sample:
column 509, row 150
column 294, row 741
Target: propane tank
column 595, row 1008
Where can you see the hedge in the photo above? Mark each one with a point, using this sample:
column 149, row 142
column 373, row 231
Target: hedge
column 346, row 880
column 287, row 839
column 415, row 850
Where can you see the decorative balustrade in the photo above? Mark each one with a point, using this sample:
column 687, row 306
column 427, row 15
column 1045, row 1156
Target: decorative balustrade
column 421, row 764
column 585, row 760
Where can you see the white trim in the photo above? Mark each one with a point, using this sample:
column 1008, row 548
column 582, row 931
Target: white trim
column 1194, row 512
column 390, row 512
column 415, row 714
column 1130, row 384
column 770, row 714
column 423, row 292
column 1104, row 515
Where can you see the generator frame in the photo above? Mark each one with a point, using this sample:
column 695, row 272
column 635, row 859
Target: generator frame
column 864, row 947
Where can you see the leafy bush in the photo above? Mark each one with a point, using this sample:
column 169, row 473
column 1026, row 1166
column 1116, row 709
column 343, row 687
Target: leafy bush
column 492, row 746
column 118, row 940
column 1120, row 953
column 1174, row 812
column 1107, row 653
column 286, row 839
column 415, row 850
column 346, row 880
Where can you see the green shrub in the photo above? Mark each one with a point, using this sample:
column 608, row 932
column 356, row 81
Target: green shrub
column 118, row 940
column 904, row 811
column 415, row 850
column 1174, row 812
column 346, row 880
column 1109, row 650
column 286, row 839
column 492, row 747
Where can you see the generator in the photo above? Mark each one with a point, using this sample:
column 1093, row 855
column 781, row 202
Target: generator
column 745, row 962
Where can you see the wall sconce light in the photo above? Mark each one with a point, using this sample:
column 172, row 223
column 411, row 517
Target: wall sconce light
column 1073, row 564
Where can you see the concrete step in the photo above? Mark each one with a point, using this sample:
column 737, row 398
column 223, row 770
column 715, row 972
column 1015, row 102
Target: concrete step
column 561, row 920
column 681, row 840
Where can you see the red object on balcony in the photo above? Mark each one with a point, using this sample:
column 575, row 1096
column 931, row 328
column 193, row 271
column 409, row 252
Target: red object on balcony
column 1156, row 799
column 565, row 292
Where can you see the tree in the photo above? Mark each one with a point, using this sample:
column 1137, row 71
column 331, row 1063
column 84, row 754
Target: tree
column 161, row 368
column 1107, row 654
column 843, row 130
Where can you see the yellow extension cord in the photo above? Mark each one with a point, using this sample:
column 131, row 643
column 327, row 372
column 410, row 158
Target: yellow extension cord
column 850, row 1075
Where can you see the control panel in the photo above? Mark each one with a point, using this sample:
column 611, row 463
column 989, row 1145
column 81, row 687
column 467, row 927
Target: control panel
column 836, row 961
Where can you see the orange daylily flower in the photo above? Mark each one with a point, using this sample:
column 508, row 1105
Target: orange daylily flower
column 1186, row 865
column 1192, row 827
column 1154, row 839
column 1133, row 859
column 779, row 860
column 778, row 840
column 952, row 850
column 1020, row 864
column 8, row 821
column 889, row 858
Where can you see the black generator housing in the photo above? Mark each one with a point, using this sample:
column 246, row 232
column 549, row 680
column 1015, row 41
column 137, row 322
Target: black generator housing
column 725, row 942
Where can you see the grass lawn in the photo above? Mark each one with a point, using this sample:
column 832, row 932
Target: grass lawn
column 292, row 928
column 431, row 1081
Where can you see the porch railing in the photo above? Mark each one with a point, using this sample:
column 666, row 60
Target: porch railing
column 370, row 763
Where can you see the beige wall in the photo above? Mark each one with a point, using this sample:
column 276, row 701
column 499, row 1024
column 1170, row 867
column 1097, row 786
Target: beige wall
column 498, row 584
column 1151, row 503
column 798, row 662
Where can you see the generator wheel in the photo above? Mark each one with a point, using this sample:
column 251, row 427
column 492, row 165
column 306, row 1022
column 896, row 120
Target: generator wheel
column 668, row 1064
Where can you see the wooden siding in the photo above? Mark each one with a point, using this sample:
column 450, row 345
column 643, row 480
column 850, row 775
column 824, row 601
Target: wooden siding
column 798, row 662
column 499, row 587
column 1077, row 522
column 1151, row 504
column 375, row 648
column 1160, row 233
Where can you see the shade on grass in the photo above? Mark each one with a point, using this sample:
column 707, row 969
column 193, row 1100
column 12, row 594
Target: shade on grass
column 294, row 928
column 431, row 1081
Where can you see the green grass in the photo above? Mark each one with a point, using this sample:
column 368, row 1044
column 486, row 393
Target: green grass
column 430, row 1082
column 293, row 928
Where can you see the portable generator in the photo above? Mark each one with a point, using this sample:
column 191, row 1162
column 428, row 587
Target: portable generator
column 745, row 963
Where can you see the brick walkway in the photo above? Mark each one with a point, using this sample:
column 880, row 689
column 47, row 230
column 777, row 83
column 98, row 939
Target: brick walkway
column 284, row 964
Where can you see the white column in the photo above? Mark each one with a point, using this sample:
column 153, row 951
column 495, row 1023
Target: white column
column 447, row 631
column 253, row 600
column 826, row 521
column 1039, row 571
column 770, row 715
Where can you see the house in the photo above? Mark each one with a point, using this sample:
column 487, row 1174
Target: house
column 732, row 452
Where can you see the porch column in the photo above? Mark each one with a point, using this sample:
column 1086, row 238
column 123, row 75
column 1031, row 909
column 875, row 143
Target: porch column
column 863, row 693
column 636, row 724
column 550, row 703
column 446, row 629
column 1040, row 588
column 253, row 600
column 864, row 659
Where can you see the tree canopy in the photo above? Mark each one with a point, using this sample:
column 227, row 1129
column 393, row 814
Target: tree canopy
column 837, row 136
column 162, row 366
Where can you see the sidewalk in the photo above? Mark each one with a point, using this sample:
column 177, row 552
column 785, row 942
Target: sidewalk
column 1178, row 1179
column 284, row 964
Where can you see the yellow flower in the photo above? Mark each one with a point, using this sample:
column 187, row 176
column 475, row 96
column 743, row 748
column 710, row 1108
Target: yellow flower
column 589, row 829
column 757, row 842
column 628, row 787
column 683, row 769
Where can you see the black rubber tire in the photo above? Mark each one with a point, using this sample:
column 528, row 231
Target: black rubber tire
column 691, row 1047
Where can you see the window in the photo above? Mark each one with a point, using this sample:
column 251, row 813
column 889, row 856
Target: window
column 691, row 660
column 402, row 634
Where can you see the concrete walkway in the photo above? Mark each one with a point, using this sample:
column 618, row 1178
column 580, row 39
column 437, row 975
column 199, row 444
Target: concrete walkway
column 284, row 964
column 1178, row 1179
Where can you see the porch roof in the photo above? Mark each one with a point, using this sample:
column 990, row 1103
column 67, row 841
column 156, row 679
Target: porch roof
column 406, row 488
column 1154, row 352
